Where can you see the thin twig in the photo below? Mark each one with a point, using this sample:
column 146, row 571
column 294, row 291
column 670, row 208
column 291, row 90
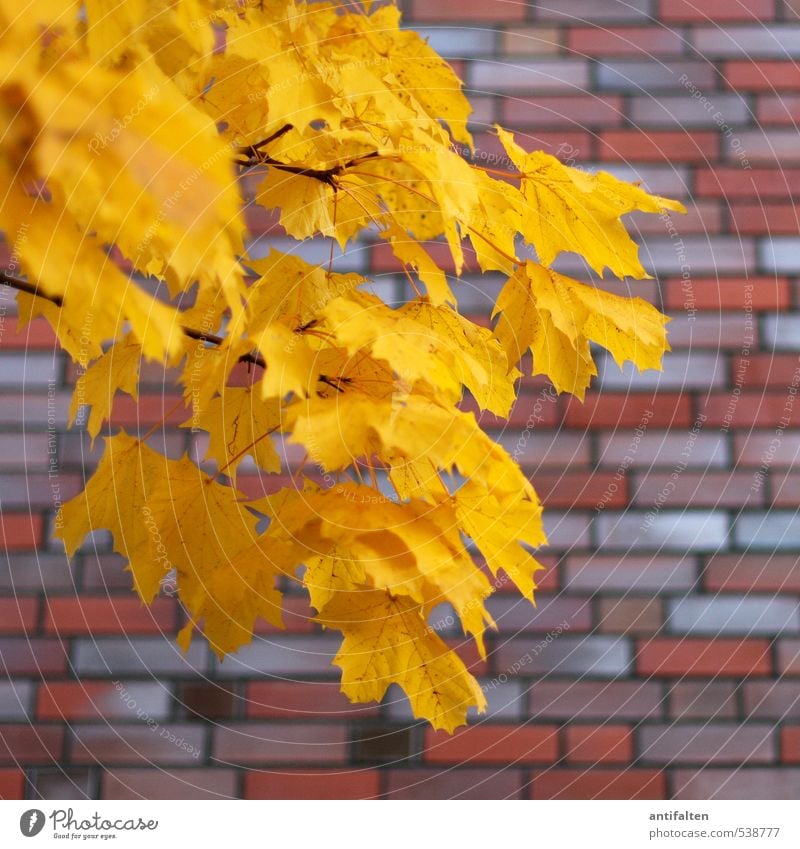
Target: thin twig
column 201, row 336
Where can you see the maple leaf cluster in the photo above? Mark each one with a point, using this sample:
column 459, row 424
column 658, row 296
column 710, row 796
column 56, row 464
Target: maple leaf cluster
column 133, row 132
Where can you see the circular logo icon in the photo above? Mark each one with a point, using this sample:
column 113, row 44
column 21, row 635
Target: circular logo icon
column 31, row 822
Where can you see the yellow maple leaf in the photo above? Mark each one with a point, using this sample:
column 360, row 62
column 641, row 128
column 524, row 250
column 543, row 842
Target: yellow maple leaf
column 239, row 422
column 117, row 369
column 387, row 641
column 556, row 317
column 567, row 209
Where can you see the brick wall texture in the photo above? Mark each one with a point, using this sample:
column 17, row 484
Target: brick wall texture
column 663, row 659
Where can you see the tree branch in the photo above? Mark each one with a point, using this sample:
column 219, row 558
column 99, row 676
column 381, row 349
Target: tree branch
column 33, row 289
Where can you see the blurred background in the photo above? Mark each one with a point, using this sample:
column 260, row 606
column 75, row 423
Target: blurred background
column 663, row 658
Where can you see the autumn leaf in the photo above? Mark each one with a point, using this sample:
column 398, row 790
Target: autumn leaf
column 135, row 135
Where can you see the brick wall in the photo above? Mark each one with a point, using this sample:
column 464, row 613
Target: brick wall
column 663, row 659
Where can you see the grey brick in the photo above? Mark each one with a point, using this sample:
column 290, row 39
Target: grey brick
column 712, row 255
column 703, row 699
column 757, row 41
column 282, row 656
column 651, row 75
column 547, row 448
column 64, row 784
column 506, row 700
column 700, row 743
column 604, row 657
column 772, row 699
column 780, row 254
column 514, row 614
column 458, row 42
column 34, row 370
column 139, row 744
column 734, row 615
column 27, row 573
column 682, row 370
column 704, row 784
column 37, row 490
column 781, row 332
column 24, row 451
column 606, row 700
column 141, row 656
column 777, row 530
column 605, row 11
column 31, row 410
column 681, row 110
column 545, row 75
column 661, row 179
column 632, row 572
column 567, row 530
column 16, row 700
column 670, row 530
column 660, row 449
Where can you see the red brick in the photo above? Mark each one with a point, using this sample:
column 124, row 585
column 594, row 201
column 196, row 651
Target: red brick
column 625, row 41
column 27, row 745
column 468, row 10
column 762, row 218
column 72, row 700
column 501, row 783
column 384, row 261
column 297, row 613
column 752, row 409
column 789, row 657
column 18, row 615
column 764, row 369
column 280, row 743
column 790, row 745
column 150, row 410
column 291, row 700
column 611, row 410
column 600, row 784
column 781, row 110
column 580, row 489
column 598, row 744
column 575, row 111
column 677, row 11
column 746, row 572
column 108, row 615
column 736, row 182
column 754, row 448
column 630, row 615
column 529, row 411
column 263, row 222
column 764, row 75
column 531, row 41
column 658, row 146
column 36, row 335
column 709, row 293
column 312, row 784
column 493, row 744
column 785, row 489
column 12, row 784
column 676, row 658
column 20, row 531
column 202, row 783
